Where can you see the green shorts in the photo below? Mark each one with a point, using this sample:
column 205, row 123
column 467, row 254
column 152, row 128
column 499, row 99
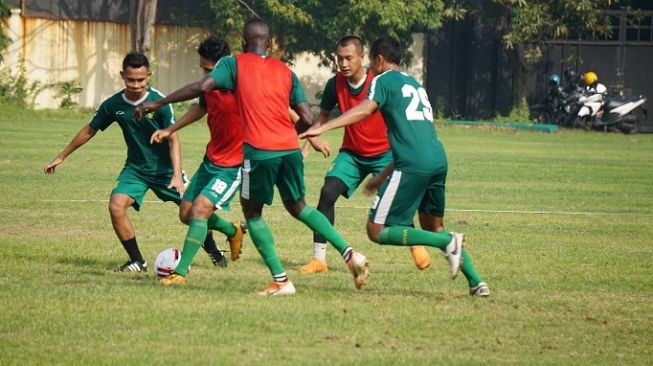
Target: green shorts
column 282, row 169
column 352, row 169
column 218, row 184
column 405, row 193
column 135, row 185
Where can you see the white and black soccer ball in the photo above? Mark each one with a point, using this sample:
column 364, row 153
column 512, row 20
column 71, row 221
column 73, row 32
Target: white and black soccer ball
column 166, row 261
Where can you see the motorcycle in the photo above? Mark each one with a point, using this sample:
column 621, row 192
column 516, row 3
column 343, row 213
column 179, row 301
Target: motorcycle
column 614, row 114
column 561, row 110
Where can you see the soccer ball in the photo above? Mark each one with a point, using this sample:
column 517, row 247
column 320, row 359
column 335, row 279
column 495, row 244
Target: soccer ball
column 166, row 261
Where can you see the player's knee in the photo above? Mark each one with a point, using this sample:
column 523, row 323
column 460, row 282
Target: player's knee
column 116, row 208
column 331, row 190
column 184, row 216
column 374, row 231
column 294, row 207
column 201, row 210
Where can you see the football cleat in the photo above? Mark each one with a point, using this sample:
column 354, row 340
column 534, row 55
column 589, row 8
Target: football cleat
column 314, row 266
column 421, row 257
column 480, row 290
column 453, row 252
column 132, row 266
column 217, row 258
column 359, row 268
column 173, row 279
column 236, row 241
column 278, row 289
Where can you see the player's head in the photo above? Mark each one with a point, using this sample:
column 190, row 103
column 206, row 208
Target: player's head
column 385, row 51
column 211, row 50
column 256, row 35
column 136, row 74
column 350, row 55
column 135, row 60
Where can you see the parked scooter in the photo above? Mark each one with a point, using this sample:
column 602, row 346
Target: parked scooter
column 615, row 114
column 604, row 113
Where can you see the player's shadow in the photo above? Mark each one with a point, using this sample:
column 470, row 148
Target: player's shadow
column 87, row 265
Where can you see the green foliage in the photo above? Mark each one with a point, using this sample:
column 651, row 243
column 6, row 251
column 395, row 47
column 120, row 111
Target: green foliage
column 315, row 26
column 4, row 39
column 534, row 22
column 17, row 89
column 68, row 89
column 519, row 113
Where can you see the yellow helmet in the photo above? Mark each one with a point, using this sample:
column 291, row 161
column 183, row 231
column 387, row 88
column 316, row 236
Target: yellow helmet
column 590, row 78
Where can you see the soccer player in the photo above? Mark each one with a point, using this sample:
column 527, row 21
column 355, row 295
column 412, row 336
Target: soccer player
column 365, row 148
column 264, row 88
column 155, row 167
column 217, row 179
column 419, row 168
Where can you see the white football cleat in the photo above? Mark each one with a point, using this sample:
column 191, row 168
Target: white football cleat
column 359, row 267
column 453, row 252
column 480, row 290
column 278, row 289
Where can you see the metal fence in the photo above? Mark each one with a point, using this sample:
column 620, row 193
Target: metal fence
column 469, row 75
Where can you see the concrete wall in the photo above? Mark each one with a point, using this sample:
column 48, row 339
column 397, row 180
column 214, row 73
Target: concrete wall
column 91, row 53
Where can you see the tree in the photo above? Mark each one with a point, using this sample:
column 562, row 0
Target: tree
column 314, row 25
column 523, row 27
column 142, row 14
column 5, row 12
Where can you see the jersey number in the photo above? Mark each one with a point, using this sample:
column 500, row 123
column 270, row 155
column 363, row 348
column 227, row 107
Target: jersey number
column 416, row 96
column 219, row 186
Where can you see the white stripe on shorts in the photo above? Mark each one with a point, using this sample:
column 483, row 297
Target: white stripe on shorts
column 244, row 188
column 388, row 197
column 231, row 190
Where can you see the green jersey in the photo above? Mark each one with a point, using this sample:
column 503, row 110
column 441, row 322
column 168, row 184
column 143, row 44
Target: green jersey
column 408, row 115
column 151, row 160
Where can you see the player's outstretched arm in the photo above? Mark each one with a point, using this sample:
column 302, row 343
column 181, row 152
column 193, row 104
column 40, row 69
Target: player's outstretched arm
column 188, row 92
column 305, row 115
column 177, row 181
column 83, row 136
column 356, row 114
column 372, row 185
column 194, row 113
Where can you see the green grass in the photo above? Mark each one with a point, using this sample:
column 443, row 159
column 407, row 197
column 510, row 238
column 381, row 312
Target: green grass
column 559, row 225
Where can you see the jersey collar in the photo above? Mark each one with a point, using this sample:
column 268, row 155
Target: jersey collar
column 135, row 103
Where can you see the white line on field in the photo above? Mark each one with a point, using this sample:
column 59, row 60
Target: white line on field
column 527, row 212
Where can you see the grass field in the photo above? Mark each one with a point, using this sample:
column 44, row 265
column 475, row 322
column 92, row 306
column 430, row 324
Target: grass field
column 560, row 226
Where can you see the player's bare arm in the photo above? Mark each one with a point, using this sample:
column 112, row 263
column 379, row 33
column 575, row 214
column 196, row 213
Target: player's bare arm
column 188, row 92
column 317, row 143
column 176, row 181
column 83, row 136
column 355, row 114
column 194, row 114
column 305, row 116
column 372, row 185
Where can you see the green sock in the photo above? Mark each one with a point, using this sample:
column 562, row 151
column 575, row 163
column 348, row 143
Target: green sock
column 215, row 222
column 315, row 220
column 405, row 236
column 467, row 268
column 194, row 240
column 263, row 240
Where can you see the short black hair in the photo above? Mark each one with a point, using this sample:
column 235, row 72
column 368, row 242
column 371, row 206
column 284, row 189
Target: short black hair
column 135, row 60
column 351, row 39
column 387, row 47
column 213, row 48
column 256, row 28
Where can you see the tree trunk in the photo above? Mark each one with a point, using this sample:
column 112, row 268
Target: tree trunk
column 142, row 18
